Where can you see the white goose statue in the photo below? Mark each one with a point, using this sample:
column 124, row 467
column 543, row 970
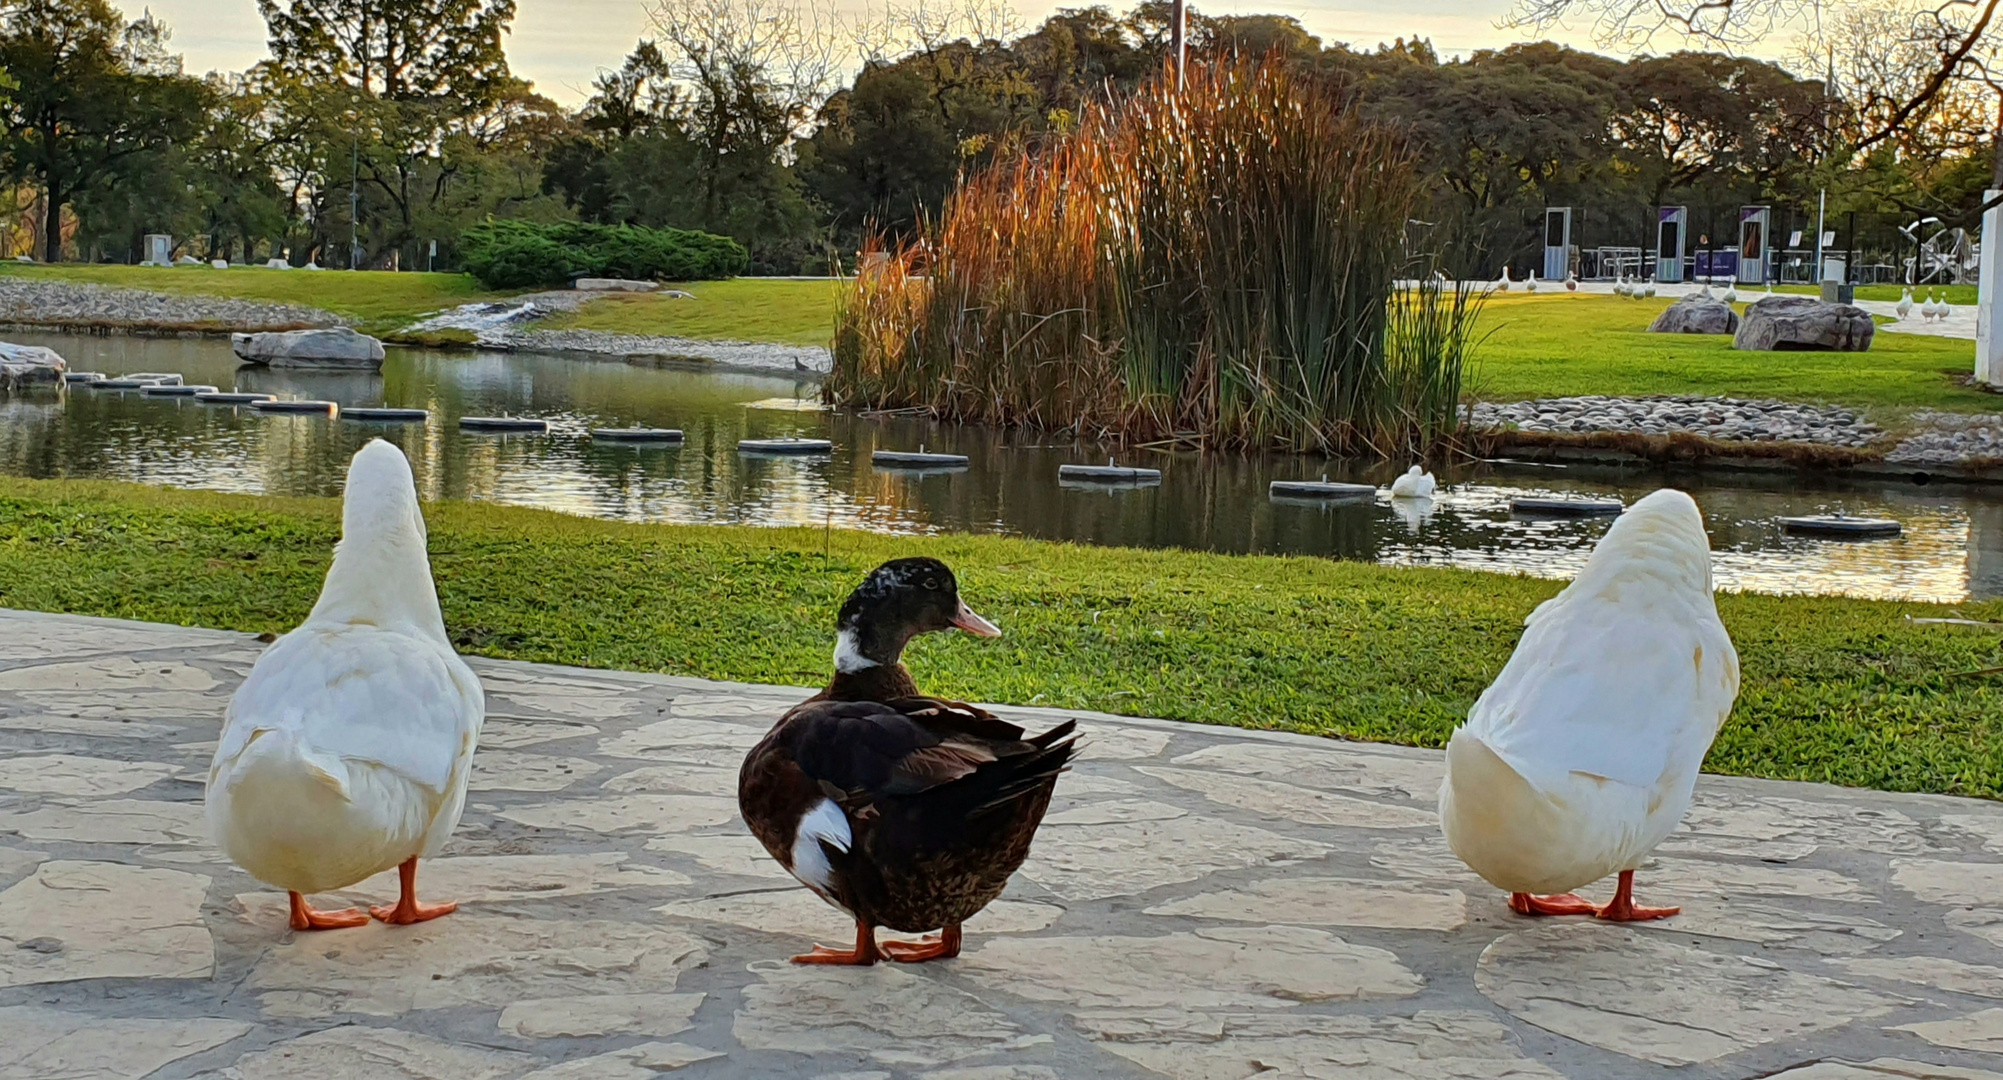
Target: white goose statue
column 346, row 751
column 1581, row 756
column 1416, row 483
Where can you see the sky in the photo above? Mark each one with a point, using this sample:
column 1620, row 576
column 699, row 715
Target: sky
column 562, row 44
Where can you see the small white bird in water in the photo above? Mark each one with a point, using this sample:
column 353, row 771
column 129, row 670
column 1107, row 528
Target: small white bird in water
column 1417, row 483
column 1582, row 755
column 346, row 751
column 1905, row 305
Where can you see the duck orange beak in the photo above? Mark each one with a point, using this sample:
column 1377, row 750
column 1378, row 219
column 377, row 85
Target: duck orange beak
column 973, row 624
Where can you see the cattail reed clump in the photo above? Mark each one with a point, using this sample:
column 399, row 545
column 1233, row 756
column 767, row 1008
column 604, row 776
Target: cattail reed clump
column 1216, row 266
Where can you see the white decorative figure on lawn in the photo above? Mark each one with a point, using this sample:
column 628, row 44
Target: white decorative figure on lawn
column 1581, row 757
column 346, row 751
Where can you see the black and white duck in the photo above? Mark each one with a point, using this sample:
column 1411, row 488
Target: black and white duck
column 905, row 811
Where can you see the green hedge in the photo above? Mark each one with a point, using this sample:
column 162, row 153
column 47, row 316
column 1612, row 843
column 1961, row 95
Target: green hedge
column 523, row 254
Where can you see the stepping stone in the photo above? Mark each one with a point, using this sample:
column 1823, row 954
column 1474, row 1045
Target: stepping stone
column 122, row 384
column 174, row 390
column 1531, row 506
column 1842, row 526
column 785, row 446
column 228, row 398
column 916, row 459
column 1320, row 489
column 636, row 434
column 503, row 423
column 82, row 376
column 296, row 406
column 1108, row 474
column 376, row 413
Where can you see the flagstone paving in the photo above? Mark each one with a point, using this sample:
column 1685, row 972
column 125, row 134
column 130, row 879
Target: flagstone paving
column 1202, row 904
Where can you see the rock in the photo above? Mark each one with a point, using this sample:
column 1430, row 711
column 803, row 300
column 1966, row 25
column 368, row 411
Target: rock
column 220, row 264
column 29, row 365
column 1696, row 314
column 607, row 284
column 1802, row 322
column 277, row 264
column 100, row 920
column 338, row 347
column 187, row 260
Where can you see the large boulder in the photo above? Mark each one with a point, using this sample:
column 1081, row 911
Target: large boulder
column 29, row 365
column 1793, row 323
column 1696, row 314
column 338, row 347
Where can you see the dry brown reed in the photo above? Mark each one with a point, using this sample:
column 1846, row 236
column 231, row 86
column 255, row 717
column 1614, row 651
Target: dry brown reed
column 1214, row 267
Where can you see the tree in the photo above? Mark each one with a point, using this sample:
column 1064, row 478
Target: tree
column 395, row 50
column 1954, row 33
column 92, row 95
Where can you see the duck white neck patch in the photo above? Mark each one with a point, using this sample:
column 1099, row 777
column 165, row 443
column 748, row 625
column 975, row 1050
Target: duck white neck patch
column 848, row 655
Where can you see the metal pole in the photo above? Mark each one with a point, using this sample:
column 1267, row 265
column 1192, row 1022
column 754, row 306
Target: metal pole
column 355, row 206
column 1177, row 43
column 1821, row 209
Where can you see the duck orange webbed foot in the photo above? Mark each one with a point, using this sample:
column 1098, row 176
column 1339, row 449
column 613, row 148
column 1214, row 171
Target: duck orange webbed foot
column 1623, row 908
column 304, row 917
column 941, row 946
column 407, row 910
column 1562, row 904
column 864, row 954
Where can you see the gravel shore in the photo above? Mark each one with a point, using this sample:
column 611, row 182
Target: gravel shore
column 75, row 305
column 743, row 355
column 1724, row 419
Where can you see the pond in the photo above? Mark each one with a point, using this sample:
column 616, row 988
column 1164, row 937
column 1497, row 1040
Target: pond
column 1952, row 547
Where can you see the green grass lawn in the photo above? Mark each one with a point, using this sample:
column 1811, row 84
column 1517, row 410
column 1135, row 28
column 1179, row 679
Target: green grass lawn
column 1555, row 346
column 742, row 309
column 375, row 301
column 1836, row 690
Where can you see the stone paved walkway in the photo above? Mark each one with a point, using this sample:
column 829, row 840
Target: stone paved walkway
column 1202, row 904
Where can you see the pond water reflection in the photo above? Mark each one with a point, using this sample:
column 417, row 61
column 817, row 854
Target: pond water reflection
column 1952, row 547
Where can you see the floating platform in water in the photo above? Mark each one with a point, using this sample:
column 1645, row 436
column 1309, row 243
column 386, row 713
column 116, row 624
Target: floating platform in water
column 917, row 459
column 636, row 434
column 1842, row 526
column 229, row 398
column 82, row 376
column 1108, row 474
column 503, row 423
column 276, row 406
column 373, row 412
column 174, row 390
column 1532, row 506
column 124, row 384
column 156, row 377
column 1319, row 489
column 785, row 446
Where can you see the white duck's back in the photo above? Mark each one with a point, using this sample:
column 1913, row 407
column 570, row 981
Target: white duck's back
column 347, row 749
column 1598, row 725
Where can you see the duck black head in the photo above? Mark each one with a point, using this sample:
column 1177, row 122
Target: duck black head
column 895, row 603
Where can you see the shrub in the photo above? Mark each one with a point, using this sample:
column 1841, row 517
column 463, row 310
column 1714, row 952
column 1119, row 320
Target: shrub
column 1212, row 266
column 522, row 254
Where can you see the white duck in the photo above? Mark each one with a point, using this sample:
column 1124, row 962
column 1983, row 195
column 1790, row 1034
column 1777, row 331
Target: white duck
column 1531, row 285
column 1502, row 285
column 346, row 750
column 1731, row 292
column 1649, row 290
column 1571, row 282
column 1706, row 291
column 1905, row 305
column 1620, row 285
column 1581, row 756
column 1417, row 483
column 1932, row 310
